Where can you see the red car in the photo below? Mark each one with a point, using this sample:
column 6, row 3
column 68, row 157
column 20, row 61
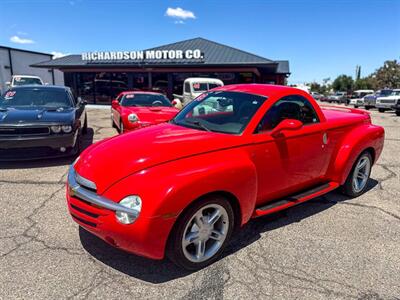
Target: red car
column 136, row 109
column 235, row 153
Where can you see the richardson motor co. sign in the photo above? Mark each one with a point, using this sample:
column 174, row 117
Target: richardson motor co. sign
column 140, row 55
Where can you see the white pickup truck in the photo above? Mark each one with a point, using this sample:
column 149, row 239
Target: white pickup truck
column 17, row 80
column 193, row 87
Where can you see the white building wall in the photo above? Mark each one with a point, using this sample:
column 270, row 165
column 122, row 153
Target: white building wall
column 21, row 61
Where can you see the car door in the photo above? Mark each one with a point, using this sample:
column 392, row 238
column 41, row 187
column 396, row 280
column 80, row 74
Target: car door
column 295, row 160
column 115, row 110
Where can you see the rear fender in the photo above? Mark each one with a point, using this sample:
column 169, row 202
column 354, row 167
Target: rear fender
column 354, row 143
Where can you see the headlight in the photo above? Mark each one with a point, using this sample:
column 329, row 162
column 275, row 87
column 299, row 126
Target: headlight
column 132, row 202
column 56, row 129
column 66, row 128
column 133, row 118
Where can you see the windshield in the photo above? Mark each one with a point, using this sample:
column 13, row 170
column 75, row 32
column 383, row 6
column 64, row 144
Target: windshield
column 384, row 93
column 26, row 81
column 395, row 93
column 34, row 97
column 146, row 100
column 204, row 86
column 226, row 112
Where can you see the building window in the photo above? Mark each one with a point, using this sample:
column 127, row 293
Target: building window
column 141, row 81
column 118, row 84
column 85, row 86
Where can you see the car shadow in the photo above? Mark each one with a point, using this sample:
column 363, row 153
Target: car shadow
column 161, row 271
column 28, row 163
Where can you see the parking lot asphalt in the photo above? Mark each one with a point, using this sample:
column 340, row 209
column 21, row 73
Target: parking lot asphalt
column 329, row 248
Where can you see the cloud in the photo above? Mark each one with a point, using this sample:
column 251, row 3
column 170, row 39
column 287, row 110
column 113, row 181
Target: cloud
column 179, row 22
column 18, row 40
column 179, row 13
column 57, row 54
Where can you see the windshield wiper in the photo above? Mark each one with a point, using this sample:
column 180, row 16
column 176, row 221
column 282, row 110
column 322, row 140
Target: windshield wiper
column 198, row 124
column 3, row 109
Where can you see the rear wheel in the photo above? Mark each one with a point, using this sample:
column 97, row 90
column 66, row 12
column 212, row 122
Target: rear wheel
column 121, row 126
column 398, row 113
column 113, row 123
column 367, row 107
column 355, row 106
column 201, row 233
column 356, row 182
column 381, row 110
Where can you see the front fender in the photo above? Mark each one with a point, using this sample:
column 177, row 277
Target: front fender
column 167, row 189
column 353, row 144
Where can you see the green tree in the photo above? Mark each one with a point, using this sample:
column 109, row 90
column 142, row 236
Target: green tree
column 343, row 83
column 388, row 76
column 366, row 83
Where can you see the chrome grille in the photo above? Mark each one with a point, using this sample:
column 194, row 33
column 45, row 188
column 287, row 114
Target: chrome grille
column 24, row 131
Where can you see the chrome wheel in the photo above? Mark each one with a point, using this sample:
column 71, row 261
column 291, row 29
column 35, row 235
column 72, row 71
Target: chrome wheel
column 205, row 233
column 361, row 173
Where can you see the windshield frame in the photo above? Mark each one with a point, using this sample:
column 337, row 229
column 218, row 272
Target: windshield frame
column 180, row 117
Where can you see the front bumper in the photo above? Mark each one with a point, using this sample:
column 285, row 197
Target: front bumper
column 55, row 141
column 147, row 236
column 36, row 147
column 384, row 105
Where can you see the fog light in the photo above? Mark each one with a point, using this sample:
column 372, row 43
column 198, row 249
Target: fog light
column 66, row 128
column 63, row 149
column 56, row 129
column 132, row 202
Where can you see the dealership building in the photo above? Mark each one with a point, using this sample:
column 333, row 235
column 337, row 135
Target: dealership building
column 98, row 77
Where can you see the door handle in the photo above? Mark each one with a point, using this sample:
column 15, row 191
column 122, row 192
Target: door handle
column 325, row 138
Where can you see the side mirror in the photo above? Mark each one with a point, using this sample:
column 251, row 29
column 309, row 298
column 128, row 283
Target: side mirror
column 287, row 124
column 114, row 103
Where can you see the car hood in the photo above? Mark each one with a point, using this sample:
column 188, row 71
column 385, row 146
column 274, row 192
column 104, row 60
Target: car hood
column 111, row 160
column 152, row 114
column 12, row 116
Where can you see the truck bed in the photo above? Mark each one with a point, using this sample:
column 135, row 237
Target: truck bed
column 344, row 115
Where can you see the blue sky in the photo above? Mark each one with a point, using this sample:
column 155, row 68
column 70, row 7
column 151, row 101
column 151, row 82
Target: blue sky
column 319, row 38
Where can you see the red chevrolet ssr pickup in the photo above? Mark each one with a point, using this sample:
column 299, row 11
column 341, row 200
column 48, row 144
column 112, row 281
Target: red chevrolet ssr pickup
column 234, row 153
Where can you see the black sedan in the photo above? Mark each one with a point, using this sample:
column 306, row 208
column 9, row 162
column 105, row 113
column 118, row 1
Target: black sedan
column 40, row 121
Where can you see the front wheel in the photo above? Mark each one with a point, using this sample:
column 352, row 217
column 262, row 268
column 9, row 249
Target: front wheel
column 201, row 233
column 356, row 182
column 367, row 107
column 381, row 110
column 398, row 113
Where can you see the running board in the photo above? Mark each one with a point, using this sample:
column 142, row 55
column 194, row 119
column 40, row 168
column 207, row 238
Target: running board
column 279, row 204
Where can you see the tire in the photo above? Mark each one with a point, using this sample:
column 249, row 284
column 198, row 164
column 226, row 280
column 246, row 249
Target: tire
column 381, row 110
column 76, row 150
column 121, row 127
column 355, row 106
column 398, row 113
column 351, row 189
column 113, row 123
column 186, row 256
column 85, row 126
column 367, row 107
